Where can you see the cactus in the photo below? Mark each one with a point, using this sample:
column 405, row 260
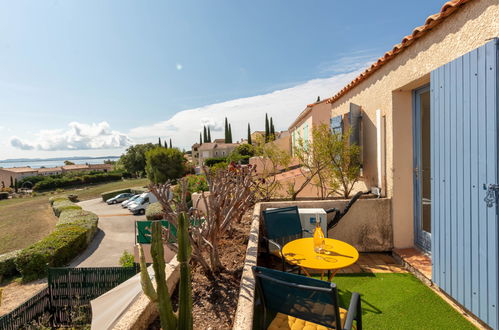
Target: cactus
column 185, row 286
column 161, row 295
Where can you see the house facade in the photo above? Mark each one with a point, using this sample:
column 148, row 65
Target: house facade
column 18, row 173
column 314, row 114
column 211, row 150
column 429, row 120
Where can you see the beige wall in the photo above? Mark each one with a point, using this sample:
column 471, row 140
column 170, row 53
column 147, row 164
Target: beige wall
column 389, row 89
column 6, row 175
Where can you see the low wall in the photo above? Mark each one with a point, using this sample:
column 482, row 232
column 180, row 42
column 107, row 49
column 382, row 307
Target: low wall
column 367, row 226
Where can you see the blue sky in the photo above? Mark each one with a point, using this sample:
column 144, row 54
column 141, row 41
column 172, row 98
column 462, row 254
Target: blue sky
column 90, row 77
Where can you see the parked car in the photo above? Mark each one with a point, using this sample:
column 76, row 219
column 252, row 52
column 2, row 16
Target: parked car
column 139, row 205
column 125, row 204
column 119, row 198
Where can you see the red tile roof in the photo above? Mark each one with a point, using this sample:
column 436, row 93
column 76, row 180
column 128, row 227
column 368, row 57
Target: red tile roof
column 448, row 8
column 26, row 169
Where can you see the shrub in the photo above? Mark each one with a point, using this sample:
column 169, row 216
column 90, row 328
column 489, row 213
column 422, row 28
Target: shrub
column 54, row 199
column 75, row 179
column 154, row 212
column 62, row 205
column 4, row 195
column 197, row 183
column 55, row 250
column 85, row 219
column 7, row 264
column 212, row 161
column 127, row 259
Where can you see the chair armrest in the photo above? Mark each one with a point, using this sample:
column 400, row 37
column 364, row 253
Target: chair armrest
column 354, row 312
column 274, row 243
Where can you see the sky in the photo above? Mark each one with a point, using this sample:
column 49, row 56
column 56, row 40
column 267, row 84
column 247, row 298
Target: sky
column 89, row 78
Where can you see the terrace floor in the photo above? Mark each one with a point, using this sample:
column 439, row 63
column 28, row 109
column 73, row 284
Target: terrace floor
column 374, row 263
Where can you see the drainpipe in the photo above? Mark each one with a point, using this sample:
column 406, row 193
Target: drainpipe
column 380, row 153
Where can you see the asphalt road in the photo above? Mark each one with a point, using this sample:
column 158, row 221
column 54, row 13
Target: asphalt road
column 115, row 235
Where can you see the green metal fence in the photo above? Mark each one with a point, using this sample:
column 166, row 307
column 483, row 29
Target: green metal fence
column 28, row 312
column 66, row 299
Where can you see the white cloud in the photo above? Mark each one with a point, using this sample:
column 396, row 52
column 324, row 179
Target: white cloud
column 283, row 105
column 77, row 137
column 350, row 62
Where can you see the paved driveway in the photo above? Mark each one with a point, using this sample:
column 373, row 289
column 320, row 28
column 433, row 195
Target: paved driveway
column 115, row 235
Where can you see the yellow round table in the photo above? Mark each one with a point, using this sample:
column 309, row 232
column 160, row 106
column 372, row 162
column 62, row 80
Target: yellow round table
column 336, row 255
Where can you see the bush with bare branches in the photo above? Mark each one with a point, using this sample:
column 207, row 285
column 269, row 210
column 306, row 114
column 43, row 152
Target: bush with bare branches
column 232, row 191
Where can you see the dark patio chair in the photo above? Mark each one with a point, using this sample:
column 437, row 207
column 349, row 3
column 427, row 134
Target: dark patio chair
column 281, row 226
column 290, row 299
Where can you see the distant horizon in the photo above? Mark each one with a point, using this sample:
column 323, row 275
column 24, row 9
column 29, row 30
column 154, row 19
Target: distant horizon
column 22, row 160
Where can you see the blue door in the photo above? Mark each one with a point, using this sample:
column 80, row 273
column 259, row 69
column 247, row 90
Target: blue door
column 464, row 123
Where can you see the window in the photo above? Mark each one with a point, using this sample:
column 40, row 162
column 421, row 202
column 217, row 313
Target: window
column 336, row 124
column 305, row 135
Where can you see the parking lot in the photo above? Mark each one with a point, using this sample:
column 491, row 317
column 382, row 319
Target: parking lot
column 116, row 235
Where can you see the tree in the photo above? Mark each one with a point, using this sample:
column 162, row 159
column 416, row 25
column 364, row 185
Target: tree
column 226, row 131
column 205, row 134
column 15, row 185
column 272, row 160
column 134, row 159
column 164, row 144
column 267, row 128
column 163, row 164
column 249, row 134
column 318, row 99
column 230, row 133
column 308, row 155
column 200, row 138
column 272, row 131
column 171, row 143
column 209, row 134
column 11, row 182
column 67, row 162
column 159, row 142
column 341, row 158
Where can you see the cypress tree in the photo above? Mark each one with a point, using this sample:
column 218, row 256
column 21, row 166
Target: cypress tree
column 226, row 131
column 249, row 134
column 164, row 144
column 318, row 99
column 159, row 141
column 209, row 134
column 200, row 138
column 15, row 185
column 267, row 128
column 272, row 130
column 171, row 144
column 11, row 182
column 230, row 133
column 205, row 135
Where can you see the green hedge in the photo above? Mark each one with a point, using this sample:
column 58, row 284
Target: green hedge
column 66, row 181
column 7, row 264
column 85, row 219
column 212, row 161
column 110, row 194
column 61, row 205
column 55, row 250
column 154, row 211
column 4, row 195
column 73, row 233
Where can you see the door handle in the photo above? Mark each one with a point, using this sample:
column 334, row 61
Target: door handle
column 492, row 194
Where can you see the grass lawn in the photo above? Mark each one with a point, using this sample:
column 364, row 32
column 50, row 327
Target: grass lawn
column 24, row 221
column 398, row 301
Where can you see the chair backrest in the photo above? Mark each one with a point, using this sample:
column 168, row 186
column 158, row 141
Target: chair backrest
column 282, row 222
column 303, row 297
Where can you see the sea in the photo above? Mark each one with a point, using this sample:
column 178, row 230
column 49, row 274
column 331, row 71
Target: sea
column 38, row 163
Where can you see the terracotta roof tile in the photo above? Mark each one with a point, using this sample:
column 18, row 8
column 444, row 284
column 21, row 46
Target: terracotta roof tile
column 26, row 169
column 447, row 9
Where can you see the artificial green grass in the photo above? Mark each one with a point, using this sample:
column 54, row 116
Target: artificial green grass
column 398, row 301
